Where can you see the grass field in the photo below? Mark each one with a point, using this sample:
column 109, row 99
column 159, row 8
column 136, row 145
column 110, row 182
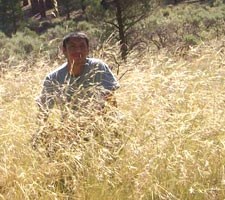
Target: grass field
column 168, row 142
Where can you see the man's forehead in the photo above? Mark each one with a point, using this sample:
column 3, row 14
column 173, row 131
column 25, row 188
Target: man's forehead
column 76, row 40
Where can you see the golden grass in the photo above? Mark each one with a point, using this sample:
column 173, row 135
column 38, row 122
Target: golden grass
column 169, row 143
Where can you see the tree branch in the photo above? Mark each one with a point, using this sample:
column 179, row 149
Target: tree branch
column 111, row 23
column 134, row 22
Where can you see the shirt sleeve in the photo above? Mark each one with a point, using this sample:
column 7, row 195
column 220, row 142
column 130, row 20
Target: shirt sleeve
column 106, row 78
column 46, row 99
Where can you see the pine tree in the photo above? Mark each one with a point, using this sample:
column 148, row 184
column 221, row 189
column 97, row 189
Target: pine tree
column 10, row 15
column 122, row 15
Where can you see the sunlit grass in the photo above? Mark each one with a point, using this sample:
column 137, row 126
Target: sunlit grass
column 167, row 142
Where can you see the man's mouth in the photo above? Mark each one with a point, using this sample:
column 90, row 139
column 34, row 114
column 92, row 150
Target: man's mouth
column 77, row 55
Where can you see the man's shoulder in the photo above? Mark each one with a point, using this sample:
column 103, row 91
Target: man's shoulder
column 96, row 62
column 59, row 72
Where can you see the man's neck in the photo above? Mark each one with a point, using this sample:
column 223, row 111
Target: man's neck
column 75, row 70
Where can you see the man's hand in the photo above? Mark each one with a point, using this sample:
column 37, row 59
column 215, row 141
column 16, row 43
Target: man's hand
column 110, row 98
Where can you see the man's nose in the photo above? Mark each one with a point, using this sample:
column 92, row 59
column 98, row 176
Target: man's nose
column 78, row 50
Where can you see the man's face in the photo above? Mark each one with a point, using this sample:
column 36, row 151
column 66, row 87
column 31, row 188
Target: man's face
column 76, row 51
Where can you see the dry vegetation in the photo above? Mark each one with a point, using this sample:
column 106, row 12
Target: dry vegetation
column 167, row 142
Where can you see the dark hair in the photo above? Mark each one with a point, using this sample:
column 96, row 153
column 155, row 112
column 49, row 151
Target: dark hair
column 79, row 35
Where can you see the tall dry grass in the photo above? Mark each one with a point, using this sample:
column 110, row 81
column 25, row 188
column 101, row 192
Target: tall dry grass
column 167, row 142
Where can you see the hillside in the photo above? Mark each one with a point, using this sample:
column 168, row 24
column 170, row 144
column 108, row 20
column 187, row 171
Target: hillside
column 169, row 143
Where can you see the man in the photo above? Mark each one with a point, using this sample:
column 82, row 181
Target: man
column 78, row 83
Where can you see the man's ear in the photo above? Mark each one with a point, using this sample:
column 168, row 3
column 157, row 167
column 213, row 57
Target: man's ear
column 64, row 51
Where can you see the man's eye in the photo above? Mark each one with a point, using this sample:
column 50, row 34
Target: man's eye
column 77, row 47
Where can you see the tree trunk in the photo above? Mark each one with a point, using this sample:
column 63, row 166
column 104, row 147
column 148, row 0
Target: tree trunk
column 34, row 6
column 42, row 9
column 67, row 12
column 55, row 8
column 52, row 4
column 25, row 2
column 49, row 4
column 123, row 42
column 82, row 5
column 14, row 21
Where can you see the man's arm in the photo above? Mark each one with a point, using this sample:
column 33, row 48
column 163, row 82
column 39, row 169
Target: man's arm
column 110, row 84
column 46, row 100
